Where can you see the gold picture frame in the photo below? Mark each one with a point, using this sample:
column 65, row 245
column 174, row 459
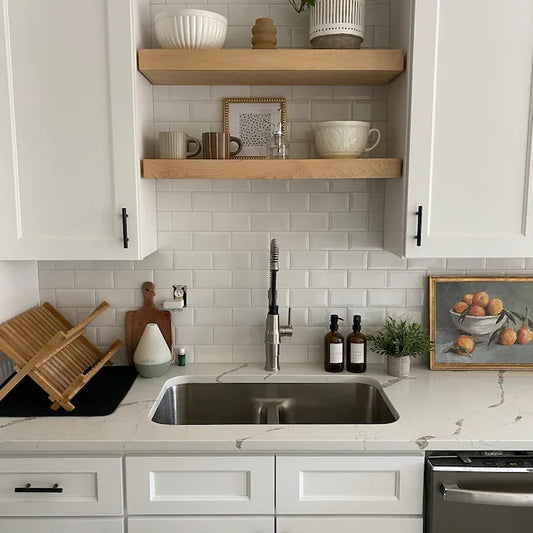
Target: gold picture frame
column 248, row 118
column 481, row 323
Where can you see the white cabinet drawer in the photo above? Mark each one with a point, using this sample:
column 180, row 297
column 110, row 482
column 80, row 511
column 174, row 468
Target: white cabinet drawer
column 200, row 485
column 202, row 524
column 90, row 486
column 349, row 524
column 349, row 485
column 65, row 525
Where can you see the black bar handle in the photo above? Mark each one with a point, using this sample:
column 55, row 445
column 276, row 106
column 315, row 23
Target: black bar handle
column 125, row 227
column 28, row 488
column 418, row 235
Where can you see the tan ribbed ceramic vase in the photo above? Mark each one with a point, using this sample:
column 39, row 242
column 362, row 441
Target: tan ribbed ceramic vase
column 264, row 33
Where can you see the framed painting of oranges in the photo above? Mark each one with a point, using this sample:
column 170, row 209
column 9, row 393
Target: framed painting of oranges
column 481, row 323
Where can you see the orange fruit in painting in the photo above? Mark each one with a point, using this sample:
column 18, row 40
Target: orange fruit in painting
column 464, row 345
column 494, row 307
column 476, row 310
column 524, row 335
column 480, row 298
column 507, row 337
column 467, row 299
column 459, row 307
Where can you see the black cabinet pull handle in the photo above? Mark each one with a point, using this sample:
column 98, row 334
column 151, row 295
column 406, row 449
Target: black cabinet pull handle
column 125, row 227
column 28, row 488
column 418, row 235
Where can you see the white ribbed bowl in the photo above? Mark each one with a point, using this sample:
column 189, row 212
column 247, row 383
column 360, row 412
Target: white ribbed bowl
column 190, row 29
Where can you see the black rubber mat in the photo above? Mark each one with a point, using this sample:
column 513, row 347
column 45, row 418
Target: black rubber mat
column 99, row 397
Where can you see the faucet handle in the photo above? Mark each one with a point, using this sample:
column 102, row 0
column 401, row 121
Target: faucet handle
column 286, row 331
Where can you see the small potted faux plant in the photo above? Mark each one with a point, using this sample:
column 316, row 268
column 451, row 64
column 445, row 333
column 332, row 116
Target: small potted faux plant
column 400, row 340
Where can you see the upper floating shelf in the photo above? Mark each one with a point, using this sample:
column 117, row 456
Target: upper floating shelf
column 287, row 66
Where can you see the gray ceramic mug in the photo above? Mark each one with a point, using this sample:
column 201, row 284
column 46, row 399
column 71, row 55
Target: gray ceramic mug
column 175, row 145
column 216, row 145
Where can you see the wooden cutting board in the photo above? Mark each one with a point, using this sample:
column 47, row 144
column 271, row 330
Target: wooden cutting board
column 136, row 321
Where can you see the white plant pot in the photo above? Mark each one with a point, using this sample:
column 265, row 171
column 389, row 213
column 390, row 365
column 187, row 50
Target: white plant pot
column 152, row 356
column 398, row 367
column 337, row 23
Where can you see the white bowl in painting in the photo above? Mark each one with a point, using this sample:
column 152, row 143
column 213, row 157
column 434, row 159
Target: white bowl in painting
column 476, row 325
column 190, row 29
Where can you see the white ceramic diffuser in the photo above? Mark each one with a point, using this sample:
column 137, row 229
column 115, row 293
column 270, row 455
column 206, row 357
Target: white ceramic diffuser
column 152, row 356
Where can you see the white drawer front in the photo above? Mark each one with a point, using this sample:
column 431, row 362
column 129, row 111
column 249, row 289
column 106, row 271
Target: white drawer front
column 349, row 524
column 349, row 485
column 91, row 486
column 202, row 524
column 61, row 525
column 200, row 485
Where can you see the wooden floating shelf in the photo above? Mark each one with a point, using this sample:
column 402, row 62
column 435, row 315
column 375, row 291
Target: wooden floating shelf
column 271, row 169
column 288, row 66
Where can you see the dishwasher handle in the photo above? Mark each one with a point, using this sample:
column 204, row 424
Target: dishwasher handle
column 452, row 493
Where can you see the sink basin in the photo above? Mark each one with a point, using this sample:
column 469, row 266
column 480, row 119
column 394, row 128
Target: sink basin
column 274, row 403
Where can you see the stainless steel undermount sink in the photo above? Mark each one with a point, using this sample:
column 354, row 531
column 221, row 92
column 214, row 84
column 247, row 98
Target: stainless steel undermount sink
column 275, row 403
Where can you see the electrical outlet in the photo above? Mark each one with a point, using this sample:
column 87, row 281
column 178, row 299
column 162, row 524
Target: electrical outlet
column 179, row 301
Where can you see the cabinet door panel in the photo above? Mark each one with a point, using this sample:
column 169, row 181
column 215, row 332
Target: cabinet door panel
column 202, row 524
column 67, row 136
column 349, row 485
column 200, row 485
column 55, row 525
column 91, row 486
column 352, row 524
column 469, row 162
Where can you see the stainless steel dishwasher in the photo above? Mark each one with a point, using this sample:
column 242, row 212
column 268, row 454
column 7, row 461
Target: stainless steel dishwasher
column 479, row 492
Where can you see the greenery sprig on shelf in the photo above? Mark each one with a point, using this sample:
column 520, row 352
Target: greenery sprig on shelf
column 401, row 338
column 301, row 5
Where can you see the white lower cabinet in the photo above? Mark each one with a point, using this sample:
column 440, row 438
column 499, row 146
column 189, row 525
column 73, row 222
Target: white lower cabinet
column 202, row 524
column 344, row 494
column 59, row 525
column 349, row 524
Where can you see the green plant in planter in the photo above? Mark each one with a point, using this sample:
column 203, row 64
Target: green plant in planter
column 301, row 5
column 401, row 338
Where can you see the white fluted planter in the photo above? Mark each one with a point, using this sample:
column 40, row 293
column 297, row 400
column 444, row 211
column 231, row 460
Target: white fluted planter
column 337, row 23
column 152, row 356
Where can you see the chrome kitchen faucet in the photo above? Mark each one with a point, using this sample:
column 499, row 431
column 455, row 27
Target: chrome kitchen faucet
column 273, row 331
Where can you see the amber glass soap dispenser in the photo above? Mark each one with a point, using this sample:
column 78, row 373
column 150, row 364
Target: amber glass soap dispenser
column 356, row 348
column 334, row 347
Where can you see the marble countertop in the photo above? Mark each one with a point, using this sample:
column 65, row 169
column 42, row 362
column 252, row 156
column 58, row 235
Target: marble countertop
column 438, row 411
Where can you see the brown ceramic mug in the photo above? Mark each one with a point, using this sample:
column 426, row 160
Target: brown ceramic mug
column 216, row 145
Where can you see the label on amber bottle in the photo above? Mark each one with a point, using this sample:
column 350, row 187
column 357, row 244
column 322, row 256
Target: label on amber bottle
column 335, row 353
column 357, row 353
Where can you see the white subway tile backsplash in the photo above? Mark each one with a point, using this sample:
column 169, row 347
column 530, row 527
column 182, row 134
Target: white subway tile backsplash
column 232, row 297
column 249, row 279
column 234, row 335
column 213, row 317
column 246, row 316
column 250, row 202
column 330, row 110
column 194, row 259
column 386, row 260
column 164, row 221
column 211, row 201
column 250, row 240
column 173, row 201
column 365, row 240
column 79, row 298
column 329, row 202
column 312, row 92
column 115, row 297
column 231, row 221
column 270, row 185
column 93, row 279
column 205, row 111
column 211, row 240
column 293, row 279
column 291, row 240
column 187, row 92
column 200, row 298
column 310, row 185
column 212, row 354
column 232, row 260
column 309, row 221
column 192, row 221
column 174, row 240
column 347, row 297
column 55, row 279
column 507, row 264
column 311, row 260
column 408, row 280
column 158, row 260
column 386, row 298
column 465, row 263
column 184, row 185
column 308, row 297
column 164, row 279
column 171, row 111
column 367, row 278
column 292, row 201
column 194, row 335
column 329, row 240
column 132, row 279
column 270, row 221
column 328, row 279
column 347, row 260
column 204, row 279
column 348, row 221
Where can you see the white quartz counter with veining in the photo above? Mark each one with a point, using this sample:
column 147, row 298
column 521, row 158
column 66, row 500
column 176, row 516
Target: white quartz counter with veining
column 438, row 410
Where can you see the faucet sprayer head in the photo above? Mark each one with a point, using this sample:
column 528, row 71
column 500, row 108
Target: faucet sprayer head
column 274, row 255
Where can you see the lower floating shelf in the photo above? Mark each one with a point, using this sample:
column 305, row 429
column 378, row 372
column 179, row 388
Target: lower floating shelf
column 271, row 169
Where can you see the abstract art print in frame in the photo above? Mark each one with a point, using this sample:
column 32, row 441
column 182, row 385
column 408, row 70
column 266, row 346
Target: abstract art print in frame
column 253, row 121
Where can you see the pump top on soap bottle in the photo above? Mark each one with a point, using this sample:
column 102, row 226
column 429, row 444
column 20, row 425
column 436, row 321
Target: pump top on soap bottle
column 334, row 347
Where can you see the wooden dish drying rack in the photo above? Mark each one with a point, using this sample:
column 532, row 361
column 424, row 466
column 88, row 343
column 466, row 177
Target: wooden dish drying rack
column 45, row 346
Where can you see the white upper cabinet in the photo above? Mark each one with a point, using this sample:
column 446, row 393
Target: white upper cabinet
column 468, row 155
column 73, row 116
